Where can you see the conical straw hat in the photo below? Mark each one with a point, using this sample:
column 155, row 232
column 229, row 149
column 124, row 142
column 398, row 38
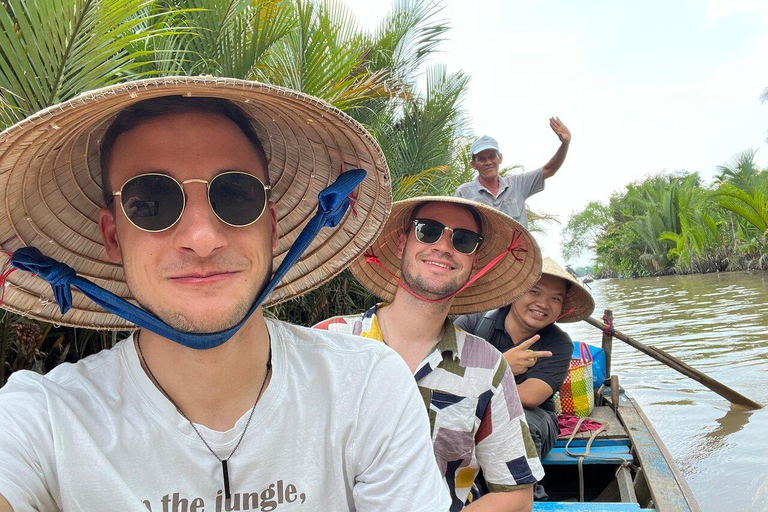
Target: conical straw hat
column 506, row 281
column 577, row 299
column 50, row 187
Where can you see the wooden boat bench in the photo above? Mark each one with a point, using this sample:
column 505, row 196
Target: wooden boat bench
column 607, row 454
column 612, row 447
column 609, row 447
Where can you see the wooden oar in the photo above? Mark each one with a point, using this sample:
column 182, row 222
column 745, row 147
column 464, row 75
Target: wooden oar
column 676, row 364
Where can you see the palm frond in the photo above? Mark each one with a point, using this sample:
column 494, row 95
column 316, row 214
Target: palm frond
column 53, row 50
column 751, row 207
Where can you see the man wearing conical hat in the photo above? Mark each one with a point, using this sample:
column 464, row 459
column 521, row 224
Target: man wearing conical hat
column 439, row 256
column 164, row 203
column 538, row 352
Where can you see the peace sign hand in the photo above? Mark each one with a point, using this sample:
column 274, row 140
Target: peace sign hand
column 521, row 357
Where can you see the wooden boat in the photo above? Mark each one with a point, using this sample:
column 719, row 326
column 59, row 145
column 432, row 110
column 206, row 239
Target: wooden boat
column 627, row 468
column 624, row 468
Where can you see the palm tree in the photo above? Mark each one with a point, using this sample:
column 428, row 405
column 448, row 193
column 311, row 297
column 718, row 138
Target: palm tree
column 742, row 190
column 52, row 50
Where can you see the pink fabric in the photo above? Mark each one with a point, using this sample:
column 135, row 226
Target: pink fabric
column 567, row 422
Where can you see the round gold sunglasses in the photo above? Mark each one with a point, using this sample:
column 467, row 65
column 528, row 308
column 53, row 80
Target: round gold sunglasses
column 155, row 202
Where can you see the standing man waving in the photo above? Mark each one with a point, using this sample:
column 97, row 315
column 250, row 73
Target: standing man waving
column 508, row 193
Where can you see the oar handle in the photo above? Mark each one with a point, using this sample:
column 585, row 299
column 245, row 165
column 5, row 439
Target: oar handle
column 676, row 364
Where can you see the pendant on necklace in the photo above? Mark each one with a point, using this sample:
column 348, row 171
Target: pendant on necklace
column 224, row 469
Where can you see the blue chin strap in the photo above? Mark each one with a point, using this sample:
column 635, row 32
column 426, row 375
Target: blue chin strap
column 333, row 203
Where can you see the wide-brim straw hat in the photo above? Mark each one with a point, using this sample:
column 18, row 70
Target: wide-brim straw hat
column 50, row 187
column 502, row 284
column 577, row 299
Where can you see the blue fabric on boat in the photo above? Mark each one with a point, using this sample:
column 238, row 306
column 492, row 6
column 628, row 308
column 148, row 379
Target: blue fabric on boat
column 555, row 506
column 598, row 361
column 333, row 202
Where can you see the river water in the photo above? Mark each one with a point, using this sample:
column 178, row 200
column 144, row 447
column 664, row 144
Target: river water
column 717, row 323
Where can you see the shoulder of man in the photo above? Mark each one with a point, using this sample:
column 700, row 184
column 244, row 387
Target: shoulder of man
column 464, row 187
column 347, row 324
column 475, row 352
column 97, row 368
column 337, row 334
column 553, row 334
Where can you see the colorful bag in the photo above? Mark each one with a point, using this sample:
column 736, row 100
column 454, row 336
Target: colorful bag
column 598, row 362
column 576, row 395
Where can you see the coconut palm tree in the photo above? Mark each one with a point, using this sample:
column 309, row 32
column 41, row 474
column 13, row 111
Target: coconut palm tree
column 52, row 50
column 743, row 190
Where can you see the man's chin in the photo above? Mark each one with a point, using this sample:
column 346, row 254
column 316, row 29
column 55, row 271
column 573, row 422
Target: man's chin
column 435, row 292
column 204, row 322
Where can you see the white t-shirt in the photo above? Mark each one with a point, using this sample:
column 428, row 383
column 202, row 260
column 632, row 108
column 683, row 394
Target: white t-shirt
column 341, row 426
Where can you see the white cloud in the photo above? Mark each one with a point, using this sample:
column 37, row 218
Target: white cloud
column 720, row 9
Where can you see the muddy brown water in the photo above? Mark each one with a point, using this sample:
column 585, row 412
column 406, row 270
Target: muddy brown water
column 718, row 323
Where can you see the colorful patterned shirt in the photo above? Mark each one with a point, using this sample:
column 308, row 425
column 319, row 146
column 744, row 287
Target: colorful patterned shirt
column 475, row 415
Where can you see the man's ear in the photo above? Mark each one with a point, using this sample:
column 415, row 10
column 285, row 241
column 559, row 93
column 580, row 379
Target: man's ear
column 401, row 245
column 501, row 158
column 273, row 219
column 108, row 229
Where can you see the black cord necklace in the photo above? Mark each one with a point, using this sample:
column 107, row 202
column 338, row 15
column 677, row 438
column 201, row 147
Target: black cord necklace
column 224, row 468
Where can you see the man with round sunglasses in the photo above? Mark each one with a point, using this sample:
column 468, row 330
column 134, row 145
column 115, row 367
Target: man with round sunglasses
column 439, row 256
column 209, row 405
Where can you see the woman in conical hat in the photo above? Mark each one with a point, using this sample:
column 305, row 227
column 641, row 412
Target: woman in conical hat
column 207, row 183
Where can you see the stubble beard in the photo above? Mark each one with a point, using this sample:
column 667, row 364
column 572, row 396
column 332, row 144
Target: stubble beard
column 230, row 317
column 427, row 289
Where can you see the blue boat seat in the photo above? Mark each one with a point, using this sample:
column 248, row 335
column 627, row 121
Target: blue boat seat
column 546, row 506
column 611, row 454
column 576, row 443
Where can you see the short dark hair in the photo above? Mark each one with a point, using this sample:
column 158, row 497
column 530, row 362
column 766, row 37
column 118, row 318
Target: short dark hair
column 470, row 209
column 154, row 108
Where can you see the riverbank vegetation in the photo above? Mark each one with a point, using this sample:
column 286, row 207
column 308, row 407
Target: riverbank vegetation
column 674, row 223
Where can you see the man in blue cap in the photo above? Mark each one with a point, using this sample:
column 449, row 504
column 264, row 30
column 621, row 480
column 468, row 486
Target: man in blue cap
column 508, row 193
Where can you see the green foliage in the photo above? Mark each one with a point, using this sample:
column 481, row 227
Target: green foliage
column 583, row 230
column 52, row 50
column 673, row 224
column 38, row 346
column 340, row 296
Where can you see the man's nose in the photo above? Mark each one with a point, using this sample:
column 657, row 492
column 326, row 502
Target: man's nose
column 444, row 243
column 199, row 230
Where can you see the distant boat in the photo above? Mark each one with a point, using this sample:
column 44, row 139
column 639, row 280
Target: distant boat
column 586, row 278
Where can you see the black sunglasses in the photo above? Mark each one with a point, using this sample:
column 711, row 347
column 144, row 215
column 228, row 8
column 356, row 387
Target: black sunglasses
column 155, row 202
column 430, row 231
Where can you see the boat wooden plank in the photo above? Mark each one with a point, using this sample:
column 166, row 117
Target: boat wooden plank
column 597, row 455
column 604, row 414
column 626, row 486
column 668, row 488
column 619, row 441
column 547, row 506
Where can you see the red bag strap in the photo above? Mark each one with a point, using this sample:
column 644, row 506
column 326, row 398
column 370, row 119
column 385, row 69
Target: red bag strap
column 584, row 349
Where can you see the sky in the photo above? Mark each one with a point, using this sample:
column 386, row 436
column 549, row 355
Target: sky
column 643, row 87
